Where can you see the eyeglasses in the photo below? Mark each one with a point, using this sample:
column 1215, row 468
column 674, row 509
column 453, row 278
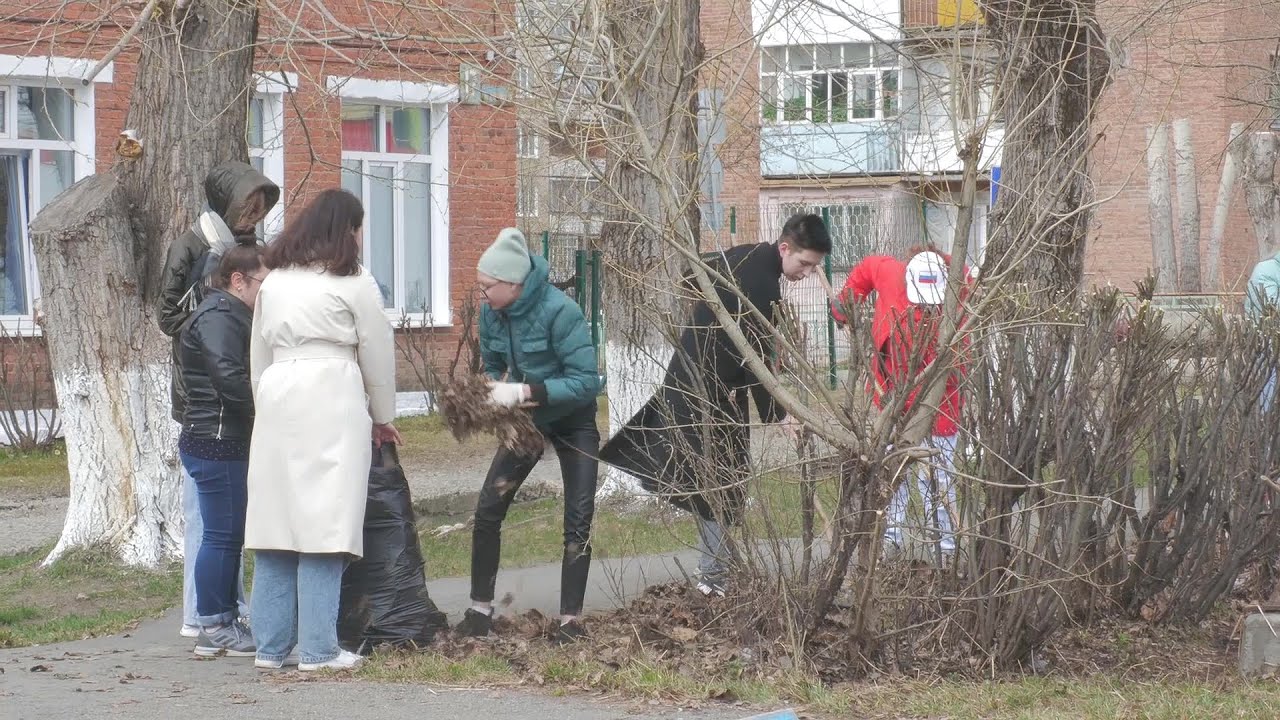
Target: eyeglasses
column 253, row 277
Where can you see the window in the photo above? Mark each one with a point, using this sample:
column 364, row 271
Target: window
column 526, row 197
column 265, row 137
column 46, row 139
column 1273, row 92
column 393, row 158
column 573, row 203
column 528, row 143
column 966, row 94
column 832, row 83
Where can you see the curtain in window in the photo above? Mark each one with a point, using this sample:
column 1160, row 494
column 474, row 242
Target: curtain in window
column 13, row 284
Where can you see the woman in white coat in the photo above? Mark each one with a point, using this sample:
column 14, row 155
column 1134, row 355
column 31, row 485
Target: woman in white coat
column 323, row 370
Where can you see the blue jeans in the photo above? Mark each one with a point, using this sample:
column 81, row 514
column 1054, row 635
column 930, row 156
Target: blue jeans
column 223, row 492
column 937, row 494
column 193, row 531
column 713, row 561
column 1268, row 393
column 295, row 603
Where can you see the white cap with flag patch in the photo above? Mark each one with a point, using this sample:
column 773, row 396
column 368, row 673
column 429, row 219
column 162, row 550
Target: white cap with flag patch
column 927, row 279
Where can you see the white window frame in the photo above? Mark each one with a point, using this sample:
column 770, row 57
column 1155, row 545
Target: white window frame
column 271, row 89
column 52, row 72
column 877, row 69
column 528, row 143
column 437, row 98
column 527, row 199
column 575, row 223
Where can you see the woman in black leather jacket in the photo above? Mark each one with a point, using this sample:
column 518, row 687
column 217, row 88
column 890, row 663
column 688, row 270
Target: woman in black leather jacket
column 214, row 446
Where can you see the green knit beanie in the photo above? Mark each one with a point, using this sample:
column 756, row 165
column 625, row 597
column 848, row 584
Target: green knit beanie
column 507, row 259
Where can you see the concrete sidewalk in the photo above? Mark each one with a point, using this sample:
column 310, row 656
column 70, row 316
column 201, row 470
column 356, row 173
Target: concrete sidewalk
column 151, row 673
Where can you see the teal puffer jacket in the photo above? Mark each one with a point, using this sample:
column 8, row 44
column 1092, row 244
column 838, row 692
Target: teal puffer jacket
column 542, row 340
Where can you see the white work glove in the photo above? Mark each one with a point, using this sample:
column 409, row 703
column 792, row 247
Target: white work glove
column 505, row 394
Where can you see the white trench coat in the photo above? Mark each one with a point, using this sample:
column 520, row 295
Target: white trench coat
column 323, row 366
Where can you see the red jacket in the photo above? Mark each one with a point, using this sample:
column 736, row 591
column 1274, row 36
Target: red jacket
column 896, row 329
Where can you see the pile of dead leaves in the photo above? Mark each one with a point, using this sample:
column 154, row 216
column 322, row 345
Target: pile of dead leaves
column 464, row 403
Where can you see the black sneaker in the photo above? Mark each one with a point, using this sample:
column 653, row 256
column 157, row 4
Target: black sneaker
column 570, row 632
column 474, row 624
column 711, row 587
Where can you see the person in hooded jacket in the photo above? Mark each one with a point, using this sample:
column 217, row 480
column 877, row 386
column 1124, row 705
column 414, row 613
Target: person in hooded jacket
column 237, row 198
column 537, row 351
column 691, row 441
column 1262, row 295
column 214, row 445
column 908, row 297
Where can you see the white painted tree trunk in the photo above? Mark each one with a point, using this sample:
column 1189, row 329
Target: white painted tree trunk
column 1222, row 210
column 1260, row 190
column 1188, row 208
column 634, row 374
column 112, row 378
column 1160, row 209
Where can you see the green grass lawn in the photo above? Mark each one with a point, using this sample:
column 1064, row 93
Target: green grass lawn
column 33, row 474
column 1098, row 697
column 83, row 595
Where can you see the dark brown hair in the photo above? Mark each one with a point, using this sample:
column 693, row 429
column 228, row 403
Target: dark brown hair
column 918, row 248
column 243, row 259
column 322, row 236
column 255, row 203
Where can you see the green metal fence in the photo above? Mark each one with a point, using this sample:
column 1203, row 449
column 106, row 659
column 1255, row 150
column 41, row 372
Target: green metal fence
column 580, row 274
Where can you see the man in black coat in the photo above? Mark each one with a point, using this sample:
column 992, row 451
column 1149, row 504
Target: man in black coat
column 691, row 442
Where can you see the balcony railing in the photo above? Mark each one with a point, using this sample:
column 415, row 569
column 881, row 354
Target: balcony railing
column 814, row 149
column 928, row 14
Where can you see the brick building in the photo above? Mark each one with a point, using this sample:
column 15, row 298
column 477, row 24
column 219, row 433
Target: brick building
column 383, row 118
column 1208, row 62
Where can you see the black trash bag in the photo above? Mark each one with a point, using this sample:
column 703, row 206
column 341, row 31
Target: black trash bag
column 384, row 594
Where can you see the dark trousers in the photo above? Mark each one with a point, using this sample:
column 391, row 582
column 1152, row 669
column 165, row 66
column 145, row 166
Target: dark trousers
column 577, row 444
column 223, row 489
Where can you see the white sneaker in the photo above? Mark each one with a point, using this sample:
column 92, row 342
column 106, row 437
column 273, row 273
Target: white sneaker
column 344, row 661
column 190, row 631
column 291, row 661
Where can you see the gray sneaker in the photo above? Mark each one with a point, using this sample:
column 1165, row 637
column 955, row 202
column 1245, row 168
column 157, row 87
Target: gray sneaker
column 231, row 640
column 711, row 586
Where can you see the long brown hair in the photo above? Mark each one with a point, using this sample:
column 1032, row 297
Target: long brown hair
column 322, row 235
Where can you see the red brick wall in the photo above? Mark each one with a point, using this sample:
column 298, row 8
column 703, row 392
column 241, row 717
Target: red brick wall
column 733, row 67
column 1193, row 61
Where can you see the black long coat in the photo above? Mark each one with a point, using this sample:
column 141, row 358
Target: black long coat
column 691, row 442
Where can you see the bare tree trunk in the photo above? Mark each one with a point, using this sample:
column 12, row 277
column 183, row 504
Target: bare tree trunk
column 1188, row 208
column 1222, row 210
column 1055, row 65
column 1160, row 209
column 100, row 251
column 657, row 45
column 1260, row 190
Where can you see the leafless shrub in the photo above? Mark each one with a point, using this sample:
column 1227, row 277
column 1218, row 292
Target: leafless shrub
column 28, row 409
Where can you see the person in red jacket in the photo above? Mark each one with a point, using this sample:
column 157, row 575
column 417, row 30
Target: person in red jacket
column 908, row 300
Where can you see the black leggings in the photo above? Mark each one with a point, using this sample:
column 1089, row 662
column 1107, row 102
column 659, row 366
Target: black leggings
column 577, row 444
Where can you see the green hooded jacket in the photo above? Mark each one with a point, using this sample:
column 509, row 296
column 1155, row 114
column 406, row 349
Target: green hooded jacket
column 1264, row 287
column 543, row 341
